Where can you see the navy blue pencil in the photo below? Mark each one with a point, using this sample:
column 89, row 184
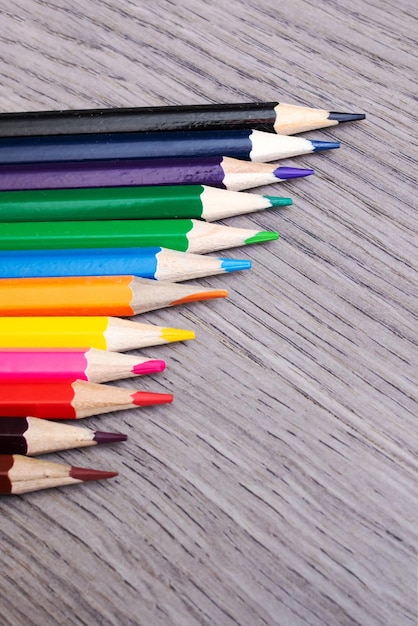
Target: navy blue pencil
column 252, row 145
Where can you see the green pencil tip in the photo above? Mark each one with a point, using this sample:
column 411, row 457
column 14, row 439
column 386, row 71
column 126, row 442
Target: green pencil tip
column 263, row 235
column 277, row 201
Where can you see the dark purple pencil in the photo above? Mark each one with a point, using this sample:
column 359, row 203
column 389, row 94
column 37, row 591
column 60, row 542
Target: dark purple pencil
column 221, row 172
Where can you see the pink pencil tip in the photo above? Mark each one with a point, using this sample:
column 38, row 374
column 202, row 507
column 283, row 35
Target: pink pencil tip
column 149, row 367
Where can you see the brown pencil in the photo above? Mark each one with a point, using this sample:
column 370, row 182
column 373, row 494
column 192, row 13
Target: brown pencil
column 21, row 474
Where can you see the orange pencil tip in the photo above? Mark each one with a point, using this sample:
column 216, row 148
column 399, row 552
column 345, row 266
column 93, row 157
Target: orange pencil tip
column 203, row 295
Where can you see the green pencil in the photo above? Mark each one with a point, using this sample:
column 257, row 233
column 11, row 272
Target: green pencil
column 177, row 234
column 159, row 202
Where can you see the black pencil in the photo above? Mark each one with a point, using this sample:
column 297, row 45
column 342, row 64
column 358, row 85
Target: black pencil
column 285, row 119
column 31, row 436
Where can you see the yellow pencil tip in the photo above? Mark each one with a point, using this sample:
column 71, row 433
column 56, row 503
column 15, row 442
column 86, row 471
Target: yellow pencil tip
column 177, row 334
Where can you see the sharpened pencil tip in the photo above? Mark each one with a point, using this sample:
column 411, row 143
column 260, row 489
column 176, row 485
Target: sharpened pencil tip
column 324, row 145
column 262, row 236
column 152, row 366
column 278, row 201
column 202, row 295
column 285, row 173
column 346, row 117
column 176, row 334
column 102, row 437
column 234, row 265
column 144, row 398
column 81, row 473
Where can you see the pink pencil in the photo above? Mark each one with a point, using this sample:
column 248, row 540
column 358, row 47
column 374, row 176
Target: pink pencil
column 93, row 365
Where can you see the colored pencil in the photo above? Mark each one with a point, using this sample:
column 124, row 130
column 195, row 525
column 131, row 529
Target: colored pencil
column 95, row 295
column 55, row 365
column 95, row 203
column 184, row 235
column 31, row 436
column 152, row 263
column 72, row 400
column 220, row 171
column 20, row 474
column 279, row 117
column 252, row 145
column 101, row 332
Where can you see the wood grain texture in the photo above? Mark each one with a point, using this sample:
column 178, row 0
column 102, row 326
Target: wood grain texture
column 281, row 485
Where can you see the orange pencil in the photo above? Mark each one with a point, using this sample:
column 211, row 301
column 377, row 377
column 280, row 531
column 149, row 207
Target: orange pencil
column 95, row 295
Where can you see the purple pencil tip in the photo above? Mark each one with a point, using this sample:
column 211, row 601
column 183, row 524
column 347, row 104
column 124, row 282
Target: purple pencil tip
column 101, row 437
column 291, row 172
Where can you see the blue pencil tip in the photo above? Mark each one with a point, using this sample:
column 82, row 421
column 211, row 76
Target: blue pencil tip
column 324, row 145
column 234, row 265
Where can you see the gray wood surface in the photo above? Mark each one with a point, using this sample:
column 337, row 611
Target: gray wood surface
column 281, row 485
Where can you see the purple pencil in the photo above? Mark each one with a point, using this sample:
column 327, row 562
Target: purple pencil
column 223, row 172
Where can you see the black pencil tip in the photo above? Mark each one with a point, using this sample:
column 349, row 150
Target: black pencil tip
column 100, row 437
column 346, row 117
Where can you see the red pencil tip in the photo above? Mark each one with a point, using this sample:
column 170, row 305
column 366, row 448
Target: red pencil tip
column 145, row 398
column 81, row 473
column 101, row 437
column 149, row 367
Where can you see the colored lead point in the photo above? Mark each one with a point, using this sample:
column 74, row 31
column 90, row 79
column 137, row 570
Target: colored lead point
column 152, row 366
column 262, row 237
column 234, row 265
column 84, row 474
column 277, row 201
column 103, row 437
column 324, row 145
column 285, row 173
column 346, row 117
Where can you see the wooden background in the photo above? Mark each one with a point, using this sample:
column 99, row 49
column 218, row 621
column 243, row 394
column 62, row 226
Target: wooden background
column 281, row 485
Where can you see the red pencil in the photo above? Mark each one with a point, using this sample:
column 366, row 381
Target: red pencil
column 71, row 400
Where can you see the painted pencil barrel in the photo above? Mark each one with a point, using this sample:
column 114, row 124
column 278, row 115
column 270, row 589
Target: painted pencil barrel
column 98, row 147
column 140, row 172
column 72, row 296
column 96, row 203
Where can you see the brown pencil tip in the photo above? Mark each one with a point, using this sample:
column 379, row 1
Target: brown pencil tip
column 202, row 295
column 101, row 437
column 81, row 473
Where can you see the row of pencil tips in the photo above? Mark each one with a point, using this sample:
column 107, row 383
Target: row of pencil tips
column 102, row 214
